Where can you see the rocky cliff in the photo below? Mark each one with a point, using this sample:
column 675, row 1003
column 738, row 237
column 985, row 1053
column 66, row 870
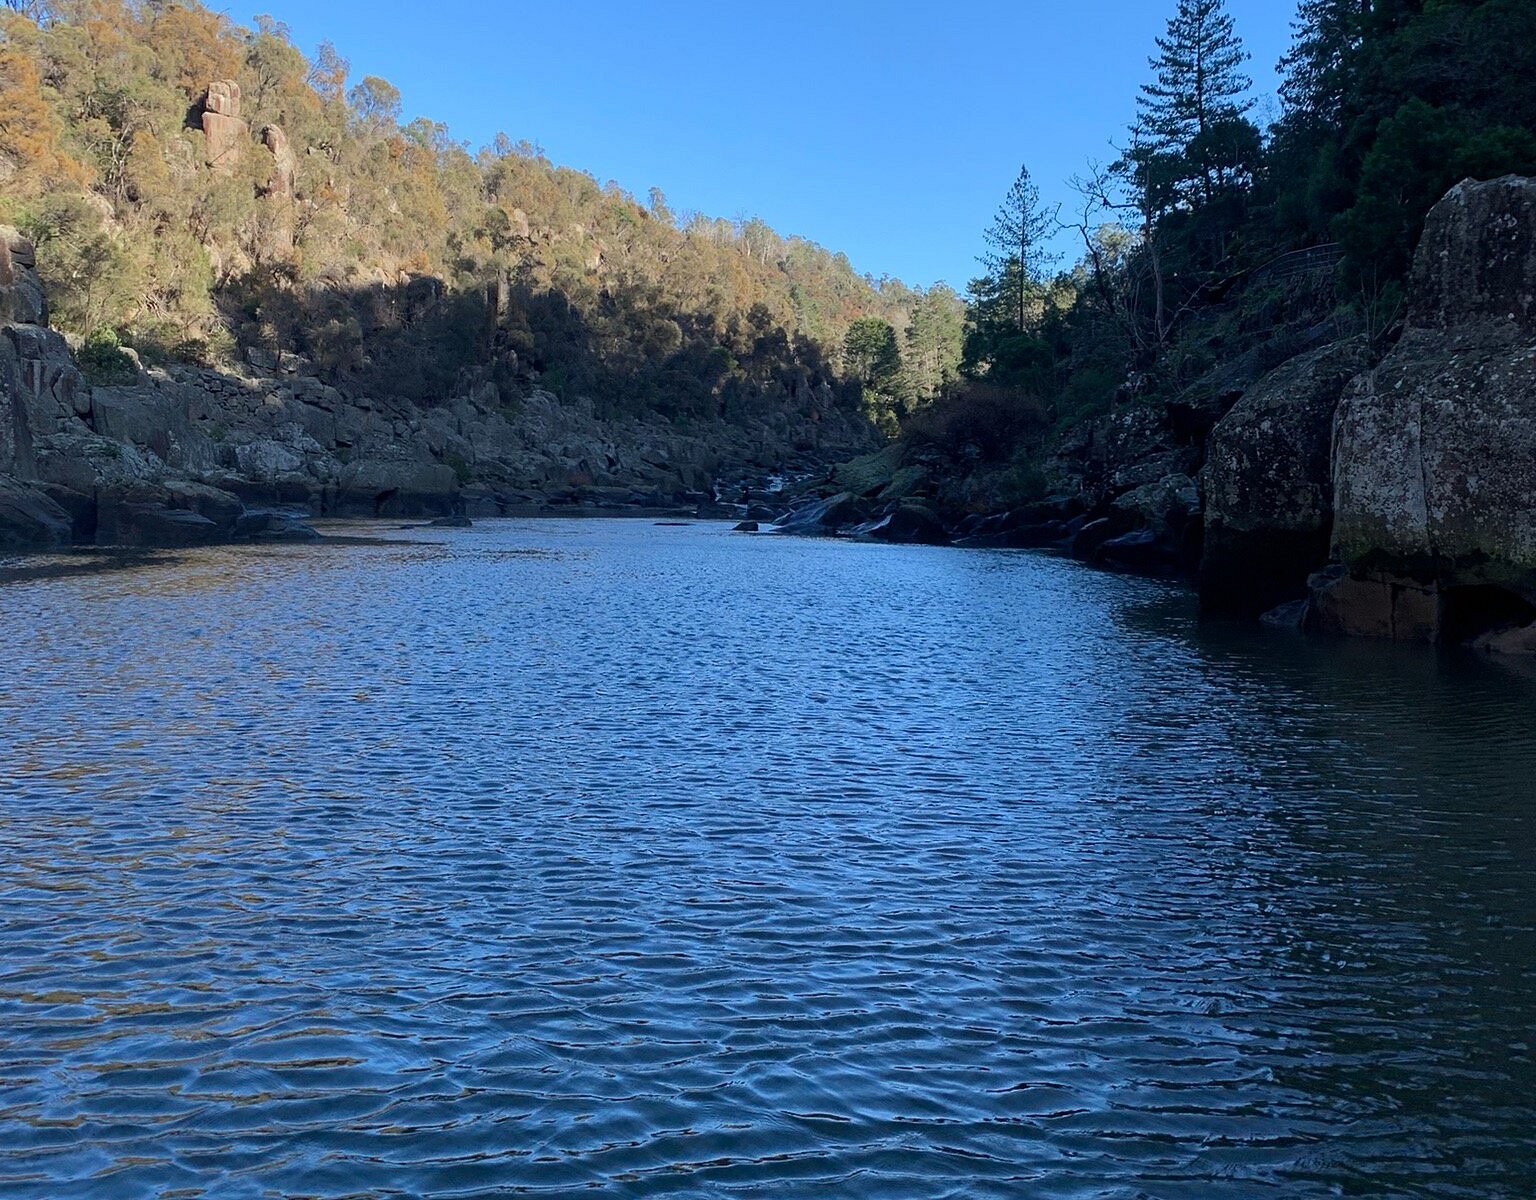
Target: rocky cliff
column 1314, row 479
column 1434, row 452
column 186, row 454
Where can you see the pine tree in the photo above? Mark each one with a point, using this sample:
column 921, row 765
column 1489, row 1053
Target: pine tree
column 1017, row 251
column 1199, row 92
column 934, row 342
column 871, row 354
column 1320, row 65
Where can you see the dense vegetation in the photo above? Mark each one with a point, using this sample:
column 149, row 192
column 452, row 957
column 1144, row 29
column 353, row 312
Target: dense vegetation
column 1386, row 104
column 295, row 213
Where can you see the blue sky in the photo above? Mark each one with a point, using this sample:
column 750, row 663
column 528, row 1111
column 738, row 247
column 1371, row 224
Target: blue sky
column 887, row 131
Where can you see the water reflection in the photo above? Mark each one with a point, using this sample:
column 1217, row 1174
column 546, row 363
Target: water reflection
column 560, row 856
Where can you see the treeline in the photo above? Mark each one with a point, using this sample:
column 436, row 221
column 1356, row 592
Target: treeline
column 203, row 191
column 1182, row 233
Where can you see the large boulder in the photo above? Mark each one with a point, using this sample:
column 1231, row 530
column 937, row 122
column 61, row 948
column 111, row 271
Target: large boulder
column 21, row 292
column 397, row 487
column 29, row 519
column 910, row 524
column 824, row 516
column 1269, row 486
column 1434, row 452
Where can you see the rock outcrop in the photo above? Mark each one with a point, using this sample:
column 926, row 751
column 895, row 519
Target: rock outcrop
column 1269, row 484
column 224, row 133
column 1434, row 452
column 188, row 454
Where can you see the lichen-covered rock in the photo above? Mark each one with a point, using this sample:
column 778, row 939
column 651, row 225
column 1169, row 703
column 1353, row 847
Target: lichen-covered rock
column 1269, row 485
column 1434, row 452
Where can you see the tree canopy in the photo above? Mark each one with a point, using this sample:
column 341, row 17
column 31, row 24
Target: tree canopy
column 200, row 190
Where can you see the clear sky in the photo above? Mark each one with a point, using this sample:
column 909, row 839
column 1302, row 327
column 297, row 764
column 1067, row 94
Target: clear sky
column 889, row 131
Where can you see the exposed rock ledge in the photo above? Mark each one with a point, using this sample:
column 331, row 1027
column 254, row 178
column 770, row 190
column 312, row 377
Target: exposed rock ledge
column 187, row 455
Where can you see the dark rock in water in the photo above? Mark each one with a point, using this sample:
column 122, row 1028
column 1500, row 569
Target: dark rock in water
column 1142, row 551
column 80, row 506
column 29, row 519
column 457, row 522
column 1088, row 540
column 1292, row 617
column 1269, row 486
column 911, row 525
column 219, row 506
column 1374, row 604
column 746, row 527
column 1023, row 537
column 266, row 525
column 824, row 516
column 132, row 523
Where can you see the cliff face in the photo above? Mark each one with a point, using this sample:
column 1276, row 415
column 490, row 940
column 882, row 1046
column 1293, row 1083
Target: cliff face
column 1269, row 483
column 1434, row 452
column 1307, row 482
column 186, row 455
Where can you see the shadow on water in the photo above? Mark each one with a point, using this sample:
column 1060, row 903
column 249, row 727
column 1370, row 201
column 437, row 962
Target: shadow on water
column 85, row 560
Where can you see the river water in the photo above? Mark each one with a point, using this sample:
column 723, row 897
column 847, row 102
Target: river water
column 602, row 858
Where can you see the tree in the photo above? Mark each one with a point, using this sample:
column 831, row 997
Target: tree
column 1017, row 248
column 870, row 353
column 934, row 341
column 377, row 102
column 1321, row 64
column 1199, row 88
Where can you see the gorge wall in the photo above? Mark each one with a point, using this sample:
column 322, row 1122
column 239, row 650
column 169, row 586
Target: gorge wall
column 1397, row 500
column 186, row 454
column 1317, row 479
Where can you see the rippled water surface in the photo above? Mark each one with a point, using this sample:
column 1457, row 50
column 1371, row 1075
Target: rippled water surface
column 564, row 858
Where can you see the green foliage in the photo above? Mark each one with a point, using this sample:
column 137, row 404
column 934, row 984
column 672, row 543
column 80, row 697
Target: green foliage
column 870, row 353
column 103, row 362
column 934, row 347
column 1388, row 103
column 1418, row 154
column 1017, row 253
column 393, row 257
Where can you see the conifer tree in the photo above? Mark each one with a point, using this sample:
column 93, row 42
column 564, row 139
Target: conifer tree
column 1200, row 92
column 1319, row 65
column 1017, row 251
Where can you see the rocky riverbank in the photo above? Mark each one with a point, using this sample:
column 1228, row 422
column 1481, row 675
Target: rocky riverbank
column 1319, row 481
column 184, row 454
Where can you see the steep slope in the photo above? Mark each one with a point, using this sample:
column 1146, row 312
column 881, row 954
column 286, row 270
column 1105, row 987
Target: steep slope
column 203, row 198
